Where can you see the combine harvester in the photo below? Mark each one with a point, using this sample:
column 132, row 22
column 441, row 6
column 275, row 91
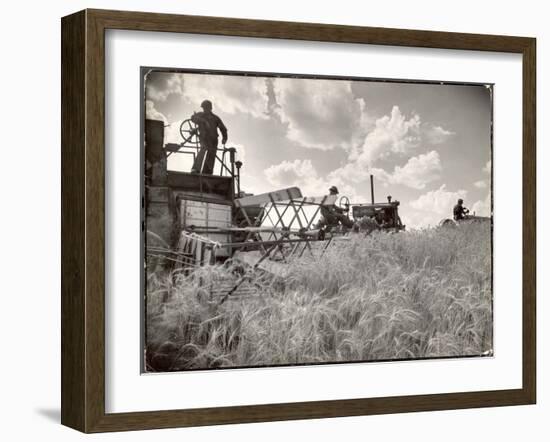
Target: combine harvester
column 191, row 220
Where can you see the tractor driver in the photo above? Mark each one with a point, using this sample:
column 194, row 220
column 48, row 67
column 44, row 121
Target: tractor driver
column 332, row 215
column 459, row 211
column 379, row 217
column 388, row 218
column 208, row 124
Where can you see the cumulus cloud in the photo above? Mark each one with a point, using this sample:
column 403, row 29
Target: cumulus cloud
column 324, row 114
column 481, row 184
column 320, row 114
column 349, row 173
column 418, row 220
column 392, row 133
column 172, row 132
column 152, row 113
column 300, row 173
column 160, row 85
column 228, row 93
column 436, row 204
column 482, row 207
column 416, row 173
column 419, row 171
column 439, row 200
column 438, row 135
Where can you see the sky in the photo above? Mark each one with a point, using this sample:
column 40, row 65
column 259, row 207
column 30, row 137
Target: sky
column 426, row 144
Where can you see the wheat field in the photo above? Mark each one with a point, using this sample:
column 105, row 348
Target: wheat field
column 416, row 294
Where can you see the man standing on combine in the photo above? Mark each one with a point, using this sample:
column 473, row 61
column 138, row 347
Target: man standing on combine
column 208, row 124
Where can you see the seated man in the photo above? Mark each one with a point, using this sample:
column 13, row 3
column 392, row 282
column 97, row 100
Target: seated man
column 388, row 218
column 380, row 219
column 332, row 215
column 459, row 211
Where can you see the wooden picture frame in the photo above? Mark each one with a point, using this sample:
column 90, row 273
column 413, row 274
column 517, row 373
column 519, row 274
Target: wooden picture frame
column 83, row 220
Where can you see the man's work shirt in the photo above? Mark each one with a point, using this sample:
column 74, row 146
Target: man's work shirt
column 209, row 123
column 458, row 212
column 328, row 210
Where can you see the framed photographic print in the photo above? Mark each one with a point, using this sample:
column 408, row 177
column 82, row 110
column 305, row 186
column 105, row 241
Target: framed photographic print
column 267, row 220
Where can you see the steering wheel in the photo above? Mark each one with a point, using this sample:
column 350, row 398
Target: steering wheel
column 189, row 131
column 344, row 203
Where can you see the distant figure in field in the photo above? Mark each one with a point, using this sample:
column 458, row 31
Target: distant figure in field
column 208, row 124
column 459, row 211
column 332, row 215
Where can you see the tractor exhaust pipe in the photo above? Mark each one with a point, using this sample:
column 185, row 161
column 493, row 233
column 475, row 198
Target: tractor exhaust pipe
column 372, row 188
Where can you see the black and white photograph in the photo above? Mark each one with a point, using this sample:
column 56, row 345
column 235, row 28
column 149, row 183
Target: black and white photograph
column 297, row 219
column 263, row 221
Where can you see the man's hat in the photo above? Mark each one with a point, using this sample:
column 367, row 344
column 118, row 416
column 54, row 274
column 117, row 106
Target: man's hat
column 333, row 189
column 206, row 104
column 460, row 201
